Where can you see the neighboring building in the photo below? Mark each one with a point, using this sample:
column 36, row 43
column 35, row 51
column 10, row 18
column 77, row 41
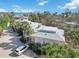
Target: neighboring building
column 71, row 23
column 2, row 14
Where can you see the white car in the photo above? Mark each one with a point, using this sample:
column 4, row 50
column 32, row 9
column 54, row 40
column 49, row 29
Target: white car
column 21, row 49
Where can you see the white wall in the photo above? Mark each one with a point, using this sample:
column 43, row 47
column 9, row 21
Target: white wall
column 44, row 40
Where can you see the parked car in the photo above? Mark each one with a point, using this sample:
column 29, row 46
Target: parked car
column 21, row 49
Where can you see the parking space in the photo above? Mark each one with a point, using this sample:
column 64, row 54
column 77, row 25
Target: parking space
column 8, row 43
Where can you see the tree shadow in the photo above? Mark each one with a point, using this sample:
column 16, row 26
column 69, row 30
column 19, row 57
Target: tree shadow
column 13, row 34
column 12, row 45
column 13, row 55
column 6, row 45
column 30, row 53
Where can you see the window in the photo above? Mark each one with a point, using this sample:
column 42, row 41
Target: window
column 23, row 48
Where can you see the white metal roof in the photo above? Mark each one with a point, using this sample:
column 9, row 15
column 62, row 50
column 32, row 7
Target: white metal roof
column 48, row 28
column 53, row 36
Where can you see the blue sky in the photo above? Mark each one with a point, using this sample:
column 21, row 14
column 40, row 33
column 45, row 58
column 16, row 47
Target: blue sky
column 38, row 5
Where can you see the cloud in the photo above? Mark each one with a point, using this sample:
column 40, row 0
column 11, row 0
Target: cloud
column 42, row 2
column 73, row 4
column 17, row 8
column 2, row 10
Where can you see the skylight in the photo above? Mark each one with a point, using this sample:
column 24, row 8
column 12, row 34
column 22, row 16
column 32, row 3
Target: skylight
column 45, row 31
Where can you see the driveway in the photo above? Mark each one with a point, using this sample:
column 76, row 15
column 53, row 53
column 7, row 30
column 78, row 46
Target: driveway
column 8, row 43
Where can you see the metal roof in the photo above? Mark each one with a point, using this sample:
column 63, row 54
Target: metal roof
column 53, row 36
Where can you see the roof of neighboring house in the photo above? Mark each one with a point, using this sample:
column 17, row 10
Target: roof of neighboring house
column 52, row 36
column 71, row 23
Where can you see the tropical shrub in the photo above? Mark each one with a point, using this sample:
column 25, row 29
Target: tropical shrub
column 54, row 51
column 59, row 51
column 35, row 47
column 1, row 30
column 23, row 27
column 74, row 53
column 73, row 36
column 4, row 22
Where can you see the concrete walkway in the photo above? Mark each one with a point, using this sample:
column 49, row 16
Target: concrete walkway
column 8, row 43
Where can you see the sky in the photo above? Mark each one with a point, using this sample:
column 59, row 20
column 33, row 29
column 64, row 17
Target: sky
column 38, row 5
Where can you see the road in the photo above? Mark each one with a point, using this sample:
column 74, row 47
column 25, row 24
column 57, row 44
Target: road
column 8, row 43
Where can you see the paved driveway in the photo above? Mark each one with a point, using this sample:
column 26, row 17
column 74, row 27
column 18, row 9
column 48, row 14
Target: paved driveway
column 8, row 43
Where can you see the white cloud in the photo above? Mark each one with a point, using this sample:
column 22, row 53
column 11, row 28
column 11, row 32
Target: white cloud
column 2, row 10
column 42, row 2
column 73, row 4
column 17, row 8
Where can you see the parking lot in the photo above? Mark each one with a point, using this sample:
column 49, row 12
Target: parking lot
column 8, row 43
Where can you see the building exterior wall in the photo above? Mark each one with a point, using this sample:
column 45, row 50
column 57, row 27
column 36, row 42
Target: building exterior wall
column 44, row 40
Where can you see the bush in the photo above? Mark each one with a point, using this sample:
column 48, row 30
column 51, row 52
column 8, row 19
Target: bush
column 59, row 51
column 23, row 27
column 73, row 53
column 73, row 36
column 35, row 47
column 1, row 30
column 54, row 51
